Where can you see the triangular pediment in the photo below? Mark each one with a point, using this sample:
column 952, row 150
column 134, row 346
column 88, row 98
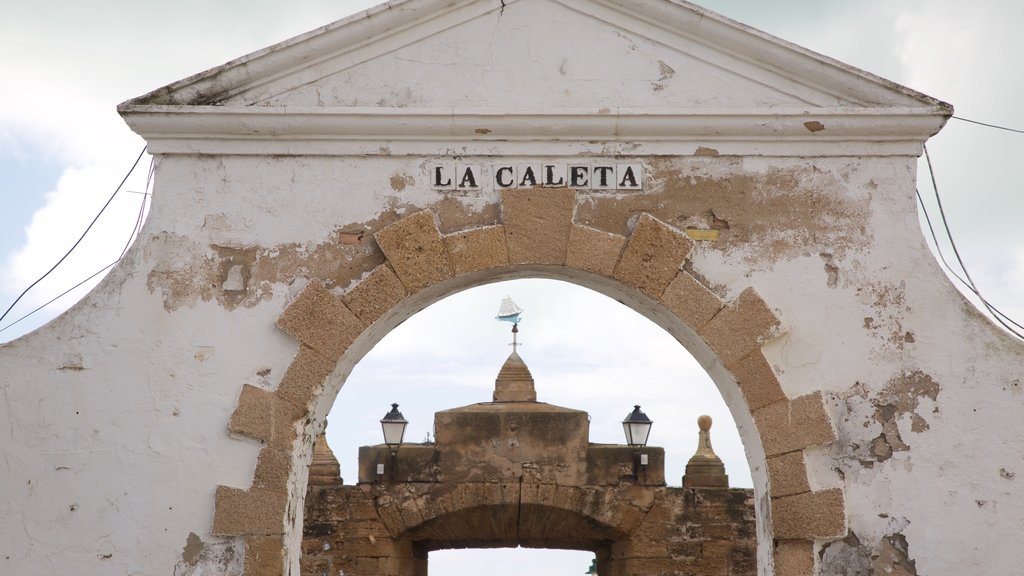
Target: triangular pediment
column 645, row 61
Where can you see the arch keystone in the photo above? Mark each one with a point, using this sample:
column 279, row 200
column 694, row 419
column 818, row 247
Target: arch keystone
column 477, row 249
column 652, row 257
column 319, row 320
column 415, row 250
column 537, row 224
column 810, row 516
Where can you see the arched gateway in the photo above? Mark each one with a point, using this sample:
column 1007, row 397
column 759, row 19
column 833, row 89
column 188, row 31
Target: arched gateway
column 754, row 199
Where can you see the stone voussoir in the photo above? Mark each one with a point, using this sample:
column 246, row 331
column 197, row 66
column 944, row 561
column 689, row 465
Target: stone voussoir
column 304, row 377
column 375, row 294
column 593, row 250
column 691, row 301
column 809, row 516
column 652, row 257
column 321, row 321
column 742, row 326
column 794, row 425
column 415, row 250
column 787, row 474
column 249, row 512
column 265, row 416
column 757, row 381
column 273, row 468
column 477, row 249
column 537, row 224
column 264, row 556
column 794, row 558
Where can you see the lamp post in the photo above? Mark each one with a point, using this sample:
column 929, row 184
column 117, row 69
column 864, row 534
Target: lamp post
column 637, row 427
column 393, row 425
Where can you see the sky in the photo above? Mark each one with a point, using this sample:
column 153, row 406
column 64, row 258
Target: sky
column 63, row 150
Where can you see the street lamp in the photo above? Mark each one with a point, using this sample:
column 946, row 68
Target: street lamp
column 393, row 424
column 637, row 427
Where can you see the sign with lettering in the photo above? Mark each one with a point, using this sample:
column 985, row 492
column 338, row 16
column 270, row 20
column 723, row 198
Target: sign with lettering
column 595, row 176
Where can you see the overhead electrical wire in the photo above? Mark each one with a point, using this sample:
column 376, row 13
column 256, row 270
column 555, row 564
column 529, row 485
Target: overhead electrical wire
column 967, row 281
column 75, row 245
column 996, row 126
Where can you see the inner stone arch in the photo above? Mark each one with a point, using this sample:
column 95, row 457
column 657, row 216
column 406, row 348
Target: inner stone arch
column 537, row 237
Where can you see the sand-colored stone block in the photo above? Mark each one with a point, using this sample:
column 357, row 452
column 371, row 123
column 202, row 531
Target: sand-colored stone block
column 593, row 250
column 304, row 377
column 794, row 425
column 537, row 223
column 248, row 512
column 652, row 256
column 787, row 474
column 757, row 381
column 477, row 249
column 264, row 556
column 415, row 251
column 264, row 416
column 810, row 515
column 375, row 294
column 794, row 558
column 319, row 320
column 691, row 301
column 745, row 324
column 273, row 467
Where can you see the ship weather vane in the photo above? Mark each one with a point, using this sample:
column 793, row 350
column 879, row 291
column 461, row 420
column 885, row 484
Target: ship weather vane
column 509, row 312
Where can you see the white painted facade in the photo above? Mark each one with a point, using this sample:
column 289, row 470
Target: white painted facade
column 114, row 435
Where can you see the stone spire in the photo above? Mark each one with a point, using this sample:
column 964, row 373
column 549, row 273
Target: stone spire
column 324, row 469
column 705, row 468
column 514, row 382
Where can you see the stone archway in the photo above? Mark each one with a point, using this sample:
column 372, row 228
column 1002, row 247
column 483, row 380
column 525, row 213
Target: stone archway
column 537, row 236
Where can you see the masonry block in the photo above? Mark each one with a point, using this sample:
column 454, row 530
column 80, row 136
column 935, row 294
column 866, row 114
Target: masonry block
column 319, row 320
column 304, row 377
column 264, row 416
column 537, row 224
column 794, row 558
column 415, row 250
column 249, row 512
column 477, row 249
column 691, row 301
column 375, row 294
column 273, row 468
column 593, row 250
column 742, row 326
column 757, row 381
column 794, row 425
column 787, row 474
column 652, row 256
column 264, row 556
column 809, row 516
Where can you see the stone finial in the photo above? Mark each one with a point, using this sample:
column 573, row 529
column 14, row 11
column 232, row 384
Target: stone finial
column 324, row 469
column 514, row 382
column 705, row 469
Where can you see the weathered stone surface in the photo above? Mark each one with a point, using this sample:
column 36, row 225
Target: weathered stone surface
column 477, row 249
column 757, row 381
column 264, row 416
column 415, row 251
column 375, row 294
column 810, row 515
column 787, row 474
column 691, row 301
column 264, row 556
column 305, row 376
column 319, row 320
column 273, row 467
column 652, row 257
column 248, row 512
column 794, row 425
column 537, row 224
column 593, row 250
column 743, row 325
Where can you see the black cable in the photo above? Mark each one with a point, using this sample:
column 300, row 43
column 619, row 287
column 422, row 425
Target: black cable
column 80, row 238
column 996, row 313
column 996, row 126
column 55, row 298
